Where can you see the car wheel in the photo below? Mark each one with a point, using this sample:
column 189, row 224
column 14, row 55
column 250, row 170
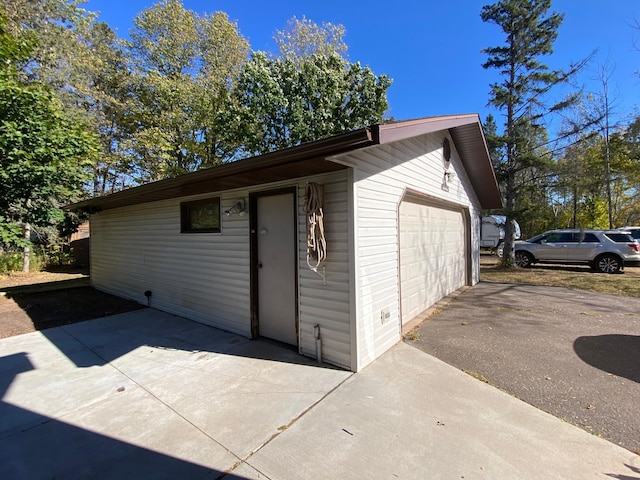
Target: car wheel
column 608, row 263
column 523, row 259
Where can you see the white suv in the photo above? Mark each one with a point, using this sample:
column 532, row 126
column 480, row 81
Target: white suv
column 607, row 251
column 634, row 231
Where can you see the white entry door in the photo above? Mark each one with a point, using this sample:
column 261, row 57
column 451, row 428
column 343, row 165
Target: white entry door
column 433, row 255
column 276, row 255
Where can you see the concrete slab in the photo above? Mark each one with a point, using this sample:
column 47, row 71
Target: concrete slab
column 146, row 395
column 411, row 416
column 150, row 395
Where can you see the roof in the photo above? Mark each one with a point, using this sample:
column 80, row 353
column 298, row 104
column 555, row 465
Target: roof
column 314, row 158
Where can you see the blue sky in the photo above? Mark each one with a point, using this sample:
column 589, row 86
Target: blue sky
column 432, row 50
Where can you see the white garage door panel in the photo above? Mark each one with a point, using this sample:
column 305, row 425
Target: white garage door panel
column 432, row 256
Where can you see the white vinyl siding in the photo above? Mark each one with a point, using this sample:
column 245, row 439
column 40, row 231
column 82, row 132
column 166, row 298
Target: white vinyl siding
column 326, row 305
column 382, row 174
column 203, row 276
column 206, row 276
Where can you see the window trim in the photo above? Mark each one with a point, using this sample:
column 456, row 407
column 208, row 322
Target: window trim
column 185, row 217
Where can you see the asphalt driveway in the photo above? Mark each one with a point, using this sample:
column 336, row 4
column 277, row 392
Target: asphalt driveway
column 571, row 353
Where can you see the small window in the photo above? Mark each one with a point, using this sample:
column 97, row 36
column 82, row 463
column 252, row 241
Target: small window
column 200, row 216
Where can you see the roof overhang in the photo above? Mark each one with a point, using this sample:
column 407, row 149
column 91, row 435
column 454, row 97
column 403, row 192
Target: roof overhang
column 300, row 161
column 313, row 158
column 468, row 138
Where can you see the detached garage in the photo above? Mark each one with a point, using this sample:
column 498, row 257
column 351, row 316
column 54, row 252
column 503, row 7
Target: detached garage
column 396, row 229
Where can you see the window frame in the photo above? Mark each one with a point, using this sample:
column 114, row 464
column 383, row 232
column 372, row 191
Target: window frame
column 185, row 215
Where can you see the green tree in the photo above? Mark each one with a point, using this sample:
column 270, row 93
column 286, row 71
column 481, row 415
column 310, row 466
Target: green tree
column 630, row 212
column 183, row 65
column 530, row 32
column 44, row 155
column 82, row 62
column 304, row 38
column 60, row 55
column 282, row 102
column 107, row 106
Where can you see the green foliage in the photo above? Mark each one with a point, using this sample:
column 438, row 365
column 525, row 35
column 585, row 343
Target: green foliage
column 521, row 165
column 11, row 233
column 41, row 257
column 10, row 261
column 171, row 100
column 581, row 180
column 60, row 55
column 304, row 38
column 282, row 102
column 107, row 107
column 182, row 67
column 44, row 156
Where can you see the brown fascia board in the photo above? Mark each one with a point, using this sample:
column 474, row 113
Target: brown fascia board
column 310, row 158
column 255, row 170
column 391, row 132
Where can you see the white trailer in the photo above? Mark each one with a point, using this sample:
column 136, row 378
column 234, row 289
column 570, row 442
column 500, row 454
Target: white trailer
column 492, row 233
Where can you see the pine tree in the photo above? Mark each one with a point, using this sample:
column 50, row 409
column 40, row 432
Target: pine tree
column 521, row 94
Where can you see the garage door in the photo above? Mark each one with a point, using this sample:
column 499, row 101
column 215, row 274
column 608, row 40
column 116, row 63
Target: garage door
column 433, row 255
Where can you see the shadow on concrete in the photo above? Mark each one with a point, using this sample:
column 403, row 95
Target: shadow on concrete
column 101, row 341
column 33, row 446
column 615, row 353
column 626, row 477
column 114, row 334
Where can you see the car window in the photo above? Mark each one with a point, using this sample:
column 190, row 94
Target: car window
column 619, row 237
column 587, row 238
column 560, row 237
column 538, row 238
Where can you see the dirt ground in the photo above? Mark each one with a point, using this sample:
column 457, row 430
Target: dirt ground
column 17, row 279
column 40, row 300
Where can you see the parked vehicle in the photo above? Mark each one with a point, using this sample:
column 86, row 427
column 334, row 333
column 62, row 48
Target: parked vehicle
column 492, row 233
column 606, row 251
column 634, row 231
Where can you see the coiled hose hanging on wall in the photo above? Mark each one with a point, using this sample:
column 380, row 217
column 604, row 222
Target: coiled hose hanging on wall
column 316, row 242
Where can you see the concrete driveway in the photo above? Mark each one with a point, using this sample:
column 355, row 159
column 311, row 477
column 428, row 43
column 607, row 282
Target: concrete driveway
column 150, row 395
column 146, row 395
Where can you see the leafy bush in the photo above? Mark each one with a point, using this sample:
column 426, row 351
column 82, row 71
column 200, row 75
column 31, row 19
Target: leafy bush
column 41, row 258
column 10, row 261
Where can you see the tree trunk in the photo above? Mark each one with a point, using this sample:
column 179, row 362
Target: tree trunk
column 26, row 253
column 508, row 259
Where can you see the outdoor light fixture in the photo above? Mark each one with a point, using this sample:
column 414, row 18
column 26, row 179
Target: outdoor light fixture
column 446, row 160
column 238, row 208
column 446, row 179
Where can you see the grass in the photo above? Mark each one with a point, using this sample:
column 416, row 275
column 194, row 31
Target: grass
column 412, row 335
column 477, row 376
column 569, row 276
